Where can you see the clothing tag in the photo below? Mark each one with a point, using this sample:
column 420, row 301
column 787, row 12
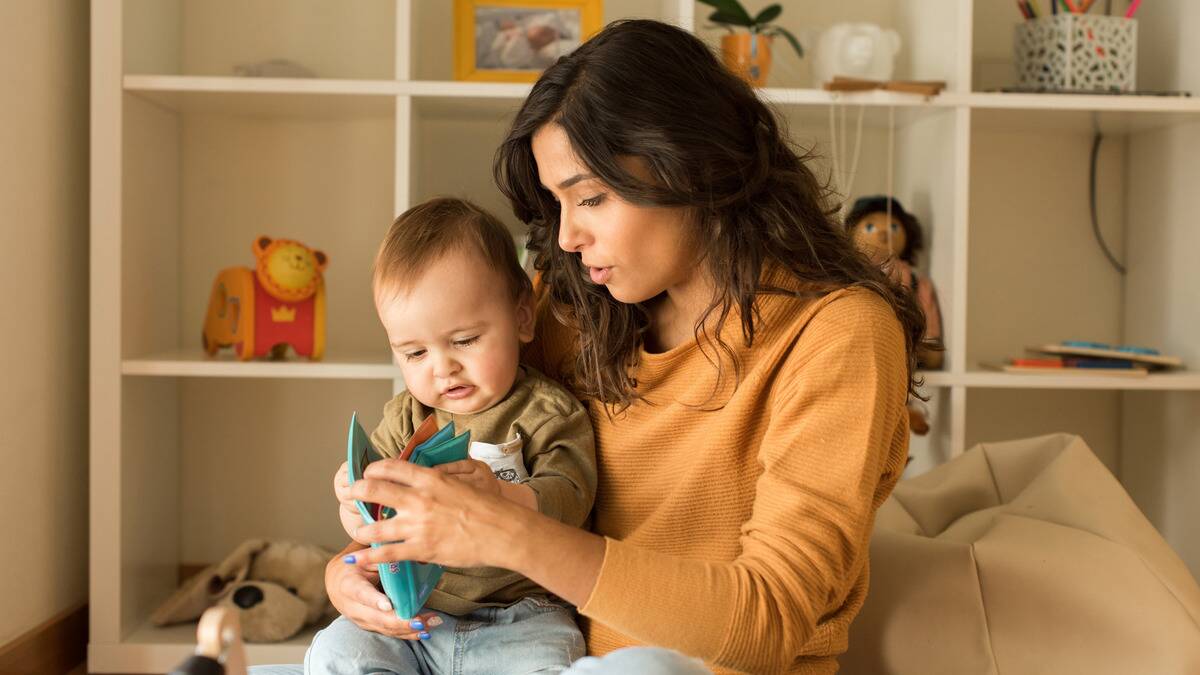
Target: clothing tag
column 504, row 459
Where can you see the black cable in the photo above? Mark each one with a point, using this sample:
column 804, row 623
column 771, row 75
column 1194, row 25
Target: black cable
column 1092, row 203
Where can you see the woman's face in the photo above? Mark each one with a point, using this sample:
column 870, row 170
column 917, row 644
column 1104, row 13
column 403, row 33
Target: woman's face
column 637, row 252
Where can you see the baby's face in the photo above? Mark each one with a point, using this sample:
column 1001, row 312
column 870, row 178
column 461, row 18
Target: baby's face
column 456, row 334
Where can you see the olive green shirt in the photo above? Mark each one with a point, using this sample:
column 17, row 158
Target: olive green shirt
column 559, row 453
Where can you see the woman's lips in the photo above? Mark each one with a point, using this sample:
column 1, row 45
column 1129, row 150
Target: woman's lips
column 600, row 275
column 459, row 391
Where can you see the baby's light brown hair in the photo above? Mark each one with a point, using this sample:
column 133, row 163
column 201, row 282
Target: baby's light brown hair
column 431, row 229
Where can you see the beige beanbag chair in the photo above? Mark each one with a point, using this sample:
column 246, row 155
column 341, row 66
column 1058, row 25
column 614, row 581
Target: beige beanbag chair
column 1018, row 558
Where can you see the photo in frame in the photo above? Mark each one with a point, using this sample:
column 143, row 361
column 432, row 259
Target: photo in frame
column 515, row 40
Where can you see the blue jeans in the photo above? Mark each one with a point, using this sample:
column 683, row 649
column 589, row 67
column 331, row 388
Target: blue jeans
column 532, row 636
column 640, row 660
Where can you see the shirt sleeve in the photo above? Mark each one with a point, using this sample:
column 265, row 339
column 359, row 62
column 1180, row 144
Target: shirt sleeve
column 396, row 427
column 831, row 453
column 561, row 459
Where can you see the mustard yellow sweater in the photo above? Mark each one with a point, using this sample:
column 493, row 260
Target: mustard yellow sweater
column 738, row 533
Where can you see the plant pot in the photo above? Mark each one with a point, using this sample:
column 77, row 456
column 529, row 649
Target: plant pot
column 748, row 55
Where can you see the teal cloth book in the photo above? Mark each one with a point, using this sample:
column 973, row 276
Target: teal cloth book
column 407, row 583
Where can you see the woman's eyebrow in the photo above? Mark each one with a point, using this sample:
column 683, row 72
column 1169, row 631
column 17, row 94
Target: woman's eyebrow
column 574, row 179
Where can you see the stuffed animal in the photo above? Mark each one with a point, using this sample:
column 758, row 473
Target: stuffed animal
column 276, row 588
column 280, row 302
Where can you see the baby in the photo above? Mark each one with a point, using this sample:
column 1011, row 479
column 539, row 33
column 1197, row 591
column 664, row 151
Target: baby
column 457, row 307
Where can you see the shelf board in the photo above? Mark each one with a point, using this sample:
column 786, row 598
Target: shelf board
column 151, row 649
column 1168, row 381
column 1080, row 112
column 194, row 363
column 267, row 97
column 515, row 91
column 296, row 97
column 936, row 378
column 1085, row 102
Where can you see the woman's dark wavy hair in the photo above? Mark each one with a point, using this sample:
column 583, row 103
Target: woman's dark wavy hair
column 649, row 90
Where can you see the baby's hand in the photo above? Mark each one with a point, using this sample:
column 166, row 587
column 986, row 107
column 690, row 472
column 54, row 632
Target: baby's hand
column 475, row 473
column 347, row 509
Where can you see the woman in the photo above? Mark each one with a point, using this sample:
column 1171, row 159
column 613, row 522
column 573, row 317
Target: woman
column 745, row 369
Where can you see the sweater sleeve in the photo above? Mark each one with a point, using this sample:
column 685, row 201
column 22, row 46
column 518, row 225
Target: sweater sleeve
column 832, row 448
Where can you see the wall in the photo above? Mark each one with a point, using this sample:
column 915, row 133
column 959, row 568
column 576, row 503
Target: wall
column 43, row 351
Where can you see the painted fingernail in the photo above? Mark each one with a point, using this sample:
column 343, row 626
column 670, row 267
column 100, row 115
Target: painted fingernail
column 417, row 625
column 435, row 621
column 384, row 605
column 424, row 635
column 350, row 559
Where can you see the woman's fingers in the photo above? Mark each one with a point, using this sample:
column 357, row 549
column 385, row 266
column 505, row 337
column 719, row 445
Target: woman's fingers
column 380, row 491
column 381, row 555
column 461, row 466
column 370, row 609
column 403, row 472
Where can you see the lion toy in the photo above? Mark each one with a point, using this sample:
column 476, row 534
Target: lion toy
column 280, row 302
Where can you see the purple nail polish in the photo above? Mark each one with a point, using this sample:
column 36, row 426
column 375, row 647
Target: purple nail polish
column 350, row 559
column 424, row 635
column 417, row 625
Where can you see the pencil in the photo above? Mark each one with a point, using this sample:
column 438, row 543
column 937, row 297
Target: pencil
column 1133, row 8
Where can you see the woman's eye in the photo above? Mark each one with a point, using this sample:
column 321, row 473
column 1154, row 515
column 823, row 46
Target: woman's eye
column 895, row 227
column 592, row 201
column 466, row 342
column 870, row 228
column 413, row 356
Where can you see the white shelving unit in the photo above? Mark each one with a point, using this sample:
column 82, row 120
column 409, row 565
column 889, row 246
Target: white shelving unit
column 189, row 455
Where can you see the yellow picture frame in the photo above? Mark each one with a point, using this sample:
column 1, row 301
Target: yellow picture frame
column 467, row 64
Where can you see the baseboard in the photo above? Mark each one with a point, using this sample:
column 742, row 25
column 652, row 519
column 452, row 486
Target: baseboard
column 56, row 646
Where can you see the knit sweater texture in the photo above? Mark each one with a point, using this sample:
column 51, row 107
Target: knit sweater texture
column 737, row 514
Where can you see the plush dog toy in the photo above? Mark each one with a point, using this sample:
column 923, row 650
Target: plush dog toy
column 275, row 587
column 280, row 302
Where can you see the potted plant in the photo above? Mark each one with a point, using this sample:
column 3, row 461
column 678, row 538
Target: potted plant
column 749, row 53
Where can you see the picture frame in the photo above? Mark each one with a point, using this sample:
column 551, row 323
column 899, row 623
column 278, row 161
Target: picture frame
column 515, row 40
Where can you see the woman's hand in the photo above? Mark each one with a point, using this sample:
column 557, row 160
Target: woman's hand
column 439, row 518
column 475, row 473
column 353, row 592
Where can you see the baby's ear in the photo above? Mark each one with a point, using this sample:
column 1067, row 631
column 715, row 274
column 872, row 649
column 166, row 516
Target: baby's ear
column 526, row 317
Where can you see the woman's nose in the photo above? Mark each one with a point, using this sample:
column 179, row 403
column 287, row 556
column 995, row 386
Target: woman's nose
column 570, row 235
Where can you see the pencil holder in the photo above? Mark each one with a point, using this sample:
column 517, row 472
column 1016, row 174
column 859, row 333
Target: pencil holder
column 1077, row 52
